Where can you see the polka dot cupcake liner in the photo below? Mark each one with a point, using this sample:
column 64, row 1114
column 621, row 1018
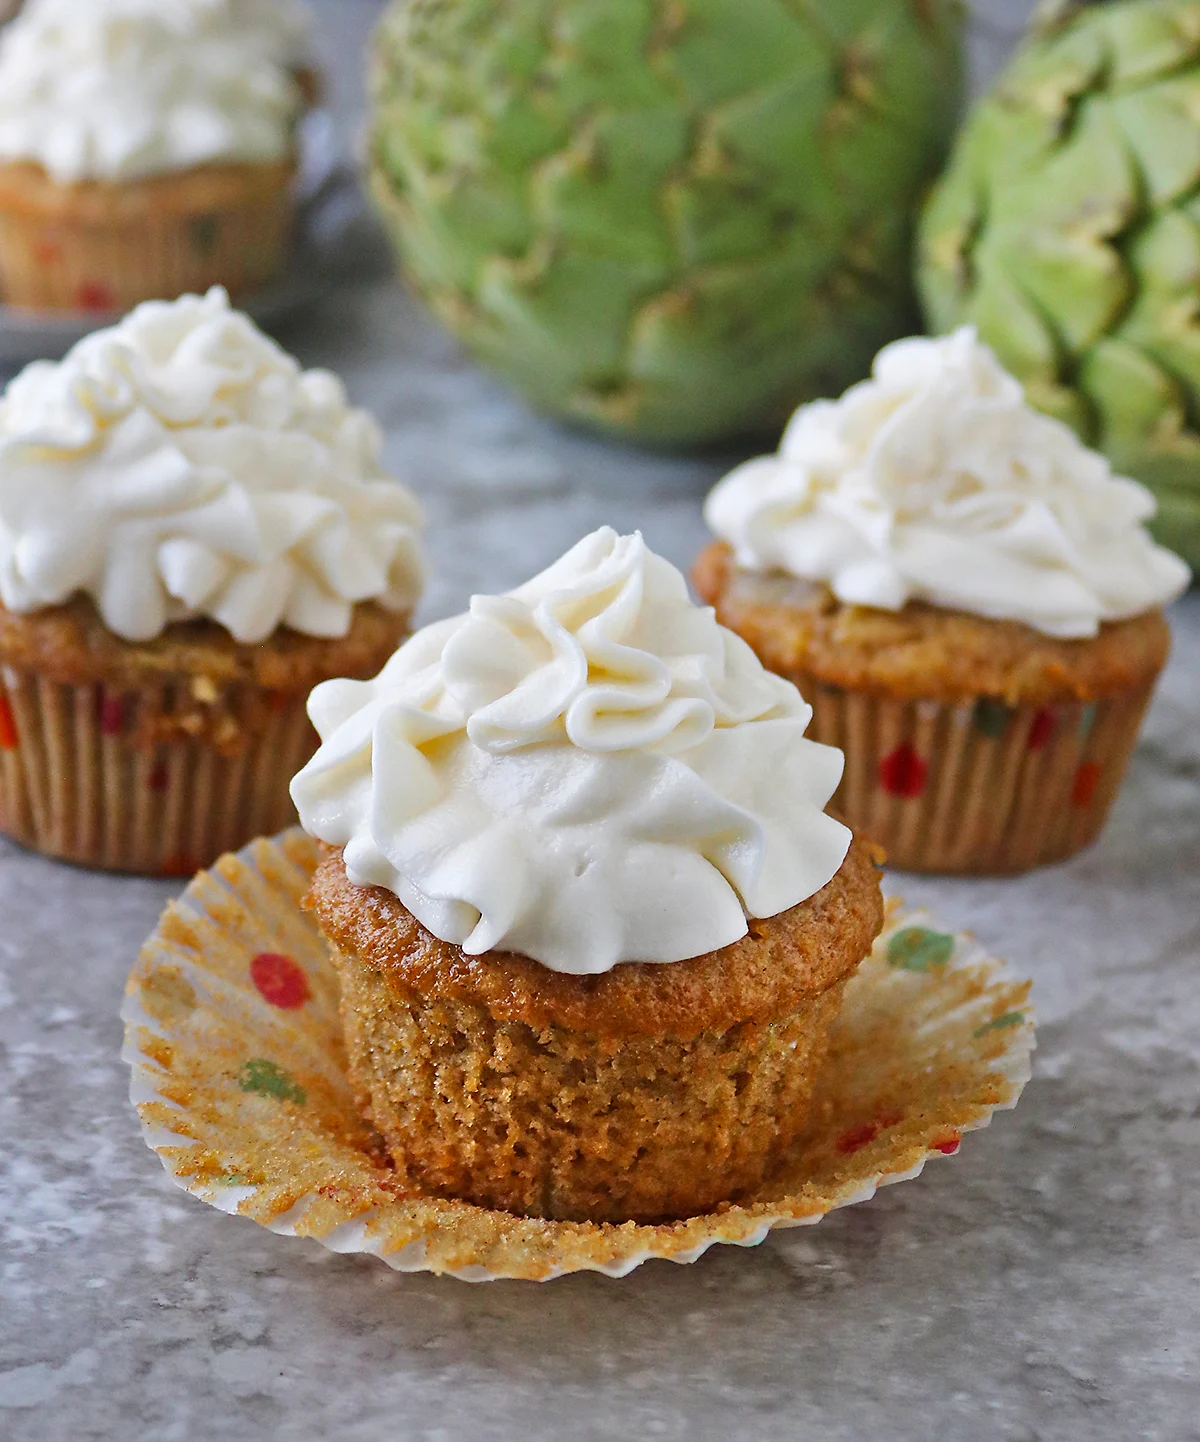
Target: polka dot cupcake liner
column 99, row 249
column 976, row 788
column 82, row 777
column 239, row 1078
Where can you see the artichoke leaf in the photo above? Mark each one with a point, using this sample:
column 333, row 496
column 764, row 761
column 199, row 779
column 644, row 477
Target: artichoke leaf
column 1026, row 345
column 1149, row 41
column 1178, row 517
column 722, row 49
column 1081, row 285
column 683, row 342
column 1139, row 406
column 618, row 167
column 598, row 58
column 1046, row 79
column 1088, row 182
column 1161, row 125
column 528, row 305
column 1164, row 318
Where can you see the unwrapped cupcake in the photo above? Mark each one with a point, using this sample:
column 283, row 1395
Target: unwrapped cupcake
column 591, row 920
column 147, row 148
column 193, row 533
column 966, row 594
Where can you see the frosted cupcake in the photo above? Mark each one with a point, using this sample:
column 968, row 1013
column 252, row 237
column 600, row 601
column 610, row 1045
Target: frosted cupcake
column 193, row 533
column 591, row 920
column 147, row 148
column 968, row 596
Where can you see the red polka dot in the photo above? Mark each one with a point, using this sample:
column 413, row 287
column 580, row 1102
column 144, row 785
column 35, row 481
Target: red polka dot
column 856, row 1138
column 276, row 700
column 160, row 777
column 178, row 866
column 1041, row 730
column 8, row 726
column 947, row 1145
column 279, row 980
column 902, row 772
column 1087, row 778
column 112, row 715
column 95, row 295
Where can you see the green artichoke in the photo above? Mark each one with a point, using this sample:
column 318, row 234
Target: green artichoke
column 1067, row 228
column 670, row 219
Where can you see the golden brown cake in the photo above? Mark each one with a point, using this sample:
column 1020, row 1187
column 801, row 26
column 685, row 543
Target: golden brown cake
column 923, row 652
column 647, row 1092
column 591, row 919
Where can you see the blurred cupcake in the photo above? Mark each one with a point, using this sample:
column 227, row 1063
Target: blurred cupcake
column 966, row 594
column 193, row 532
column 591, row 921
column 147, row 148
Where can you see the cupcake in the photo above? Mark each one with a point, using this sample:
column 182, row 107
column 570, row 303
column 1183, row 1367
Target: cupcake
column 193, row 533
column 966, row 594
column 590, row 918
column 147, row 148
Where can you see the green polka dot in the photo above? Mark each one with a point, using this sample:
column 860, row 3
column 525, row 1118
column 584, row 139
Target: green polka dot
column 269, row 1080
column 999, row 1023
column 204, row 234
column 917, row 948
column 992, row 717
column 1087, row 719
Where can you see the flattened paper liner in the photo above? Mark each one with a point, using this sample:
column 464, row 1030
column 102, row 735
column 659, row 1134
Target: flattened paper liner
column 239, row 1077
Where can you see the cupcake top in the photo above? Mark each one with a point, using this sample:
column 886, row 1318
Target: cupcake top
column 181, row 465
column 587, row 770
column 122, row 89
column 935, row 481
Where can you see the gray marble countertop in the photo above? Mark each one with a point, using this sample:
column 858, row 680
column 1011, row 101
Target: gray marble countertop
column 1041, row 1285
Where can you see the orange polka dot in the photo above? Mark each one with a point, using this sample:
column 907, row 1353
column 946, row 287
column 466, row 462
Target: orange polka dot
column 1087, row 778
column 94, row 295
column 178, row 866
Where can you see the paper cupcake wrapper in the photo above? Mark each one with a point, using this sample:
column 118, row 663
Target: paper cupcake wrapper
column 979, row 788
column 75, row 784
column 239, row 1077
column 51, row 262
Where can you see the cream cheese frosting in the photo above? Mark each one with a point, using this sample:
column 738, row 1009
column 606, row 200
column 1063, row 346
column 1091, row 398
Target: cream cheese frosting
column 936, row 481
column 179, row 465
column 587, row 770
column 123, row 89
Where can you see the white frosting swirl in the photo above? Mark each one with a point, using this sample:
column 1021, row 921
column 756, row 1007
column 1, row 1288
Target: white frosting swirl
column 935, row 481
column 121, row 89
column 180, row 464
column 587, row 770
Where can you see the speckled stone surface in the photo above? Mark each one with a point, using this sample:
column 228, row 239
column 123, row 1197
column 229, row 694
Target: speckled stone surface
column 1040, row 1285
